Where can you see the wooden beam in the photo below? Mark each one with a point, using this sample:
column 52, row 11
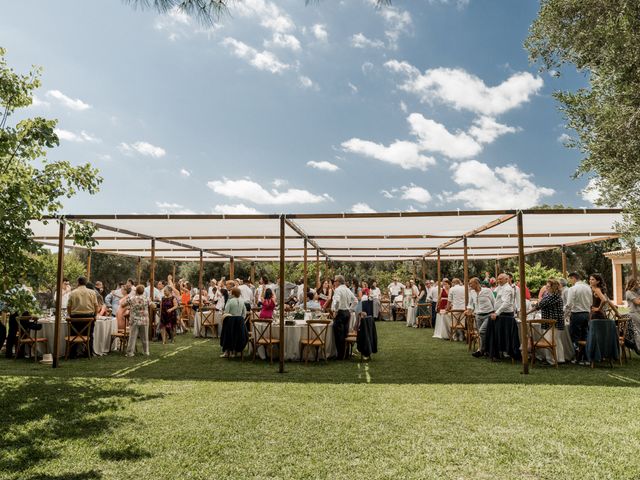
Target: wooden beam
column 232, row 269
column 152, row 289
column 465, row 266
column 564, row 261
column 281, row 299
column 89, row 266
column 303, row 234
column 634, row 261
column 497, row 265
column 523, row 298
column 139, row 270
column 439, row 273
column 304, row 270
column 59, row 281
column 200, row 273
column 252, row 273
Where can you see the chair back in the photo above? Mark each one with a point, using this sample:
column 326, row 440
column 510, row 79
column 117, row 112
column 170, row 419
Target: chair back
column 79, row 327
column 317, row 331
column 24, row 333
column 261, row 330
column 545, row 337
column 457, row 319
column 207, row 317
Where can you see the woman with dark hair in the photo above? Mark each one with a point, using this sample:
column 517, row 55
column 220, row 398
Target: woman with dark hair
column 600, row 301
column 444, row 295
column 324, row 294
column 268, row 305
column 168, row 315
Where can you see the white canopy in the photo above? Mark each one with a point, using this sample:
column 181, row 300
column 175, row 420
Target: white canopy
column 341, row 237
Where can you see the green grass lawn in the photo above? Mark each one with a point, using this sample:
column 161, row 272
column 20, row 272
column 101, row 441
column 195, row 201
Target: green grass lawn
column 423, row 408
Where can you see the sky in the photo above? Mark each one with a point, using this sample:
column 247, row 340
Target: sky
column 283, row 107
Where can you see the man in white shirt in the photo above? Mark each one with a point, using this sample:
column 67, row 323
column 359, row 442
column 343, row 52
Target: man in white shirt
column 432, row 296
column 343, row 302
column 394, row 289
column 505, row 298
column 456, row 301
column 482, row 305
column 246, row 295
column 579, row 301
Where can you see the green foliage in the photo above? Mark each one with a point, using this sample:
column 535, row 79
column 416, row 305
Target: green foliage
column 46, row 277
column 602, row 39
column 31, row 186
column 19, row 300
column 537, row 275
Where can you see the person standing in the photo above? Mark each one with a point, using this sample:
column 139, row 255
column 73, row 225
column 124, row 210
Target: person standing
column 579, row 301
column 632, row 296
column 505, row 298
column 268, row 305
column 343, row 302
column 168, row 315
column 138, row 306
column 482, row 305
column 394, row 289
column 432, row 296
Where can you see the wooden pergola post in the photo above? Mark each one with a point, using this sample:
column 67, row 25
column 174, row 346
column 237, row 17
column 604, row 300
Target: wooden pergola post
column 252, row 273
column 200, row 273
column 564, row 261
column 305, row 283
column 173, row 271
column 465, row 264
column 439, row 274
column 281, row 299
column 59, row 280
column 414, row 270
column 139, row 270
column 317, row 267
column 232, row 269
column 152, row 288
column 523, row 298
column 497, row 263
column 634, row 261
column 89, row 266
column 423, row 264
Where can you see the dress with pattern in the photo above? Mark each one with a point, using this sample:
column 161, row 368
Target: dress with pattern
column 167, row 318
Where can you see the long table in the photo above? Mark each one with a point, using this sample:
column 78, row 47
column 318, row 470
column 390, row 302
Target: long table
column 102, row 330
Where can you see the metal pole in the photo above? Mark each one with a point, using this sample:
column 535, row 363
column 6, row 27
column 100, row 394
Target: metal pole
column 281, row 299
column 564, row 261
column 60, row 277
column 523, row 297
column 634, row 261
column 466, row 273
column 304, row 301
column 89, row 266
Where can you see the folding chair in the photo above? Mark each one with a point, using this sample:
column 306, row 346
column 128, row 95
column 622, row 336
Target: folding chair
column 458, row 318
column 423, row 319
column 262, row 334
column 23, row 337
column 543, row 338
column 316, row 338
column 78, row 332
column 621, row 327
column 385, row 307
column 122, row 335
column 207, row 321
column 473, row 334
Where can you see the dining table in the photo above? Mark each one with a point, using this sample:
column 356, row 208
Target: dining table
column 102, row 330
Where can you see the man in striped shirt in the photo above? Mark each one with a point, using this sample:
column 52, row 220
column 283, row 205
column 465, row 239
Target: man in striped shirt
column 482, row 304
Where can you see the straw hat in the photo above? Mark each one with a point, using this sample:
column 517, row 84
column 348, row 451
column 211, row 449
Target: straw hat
column 47, row 359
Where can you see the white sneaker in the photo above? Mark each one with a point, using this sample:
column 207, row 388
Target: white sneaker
column 129, row 355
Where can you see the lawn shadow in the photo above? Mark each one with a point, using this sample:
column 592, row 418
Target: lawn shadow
column 88, row 475
column 40, row 414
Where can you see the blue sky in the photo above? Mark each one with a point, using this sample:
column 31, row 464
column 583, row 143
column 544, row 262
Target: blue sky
column 282, row 107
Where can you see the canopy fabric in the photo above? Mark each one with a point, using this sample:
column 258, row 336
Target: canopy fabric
column 340, row 237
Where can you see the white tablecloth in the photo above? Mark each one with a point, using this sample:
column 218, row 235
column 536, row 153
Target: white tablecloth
column 197, row 322
column 102, row 330
column 294, row 334
column 443, row 324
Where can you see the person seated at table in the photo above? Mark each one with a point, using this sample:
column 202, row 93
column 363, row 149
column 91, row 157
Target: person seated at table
column 168, row 315
column 551, row 305
column 397, row 304
column 222, row 298
column 12, row 333
column 324, row 295
column 83, row 303
column 113, row 299
column 102, row 307
column 268, row 304
column 313, row 303
column 138, row 306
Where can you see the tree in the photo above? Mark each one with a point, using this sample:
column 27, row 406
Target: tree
column 602, row 39
column 536, row 276
column 31, row 186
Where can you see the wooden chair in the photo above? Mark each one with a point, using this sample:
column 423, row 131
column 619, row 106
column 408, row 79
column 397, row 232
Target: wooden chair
column 473, row 334
column 424, row 320
column 543, row 339
column 401, row 311
column 385, row 307
column 207, row 321
column 316, row 338
column 122, row 335
column 352, row 339
column 23, row 337
column 78, row 332
column 621, row 327
column 457, row 324
column 262, row 336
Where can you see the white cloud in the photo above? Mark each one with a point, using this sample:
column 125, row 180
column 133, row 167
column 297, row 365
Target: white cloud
column 264, row 60
column 486, row 129
column 143, row 148
column 434, row 137
column 269, row 14
column 504, row 187
column 306, row 82
column 38, row 102
column 324, row 165
column 397, row 21
column 591, row 193
column 464, row 91
column 366, row 68
column 353, row 88
column 564, row 138
column 404, row 154
column 251, row 191
column 416, row 194
column 72, row 103
column 237, row 209
column 403, row 107
column 76, row 137
column 184, row 172
column 175, row 208
column 386, row 193
column 362, row 208
column 359, row 40
column 320, row 32
column 283, row 40
column 279, row 182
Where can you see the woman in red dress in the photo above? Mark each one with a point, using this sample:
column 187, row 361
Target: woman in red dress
column 268, row 305
column 444, row 295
